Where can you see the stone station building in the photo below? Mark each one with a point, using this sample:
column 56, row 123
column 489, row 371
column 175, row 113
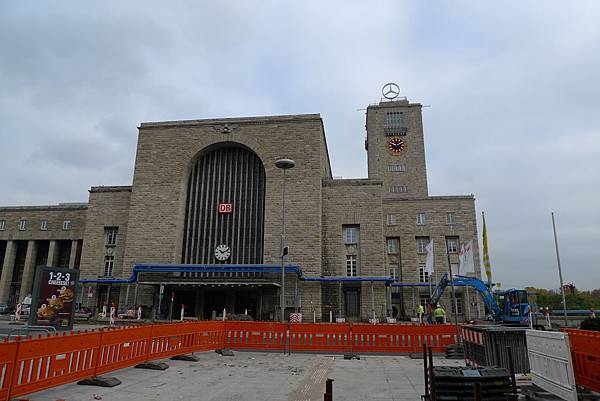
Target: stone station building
column 201, row 224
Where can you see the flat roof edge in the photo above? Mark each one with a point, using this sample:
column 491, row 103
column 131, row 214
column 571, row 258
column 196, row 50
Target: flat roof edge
column 233, row 120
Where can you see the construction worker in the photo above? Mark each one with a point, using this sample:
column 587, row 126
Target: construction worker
column 439, row 314
column 420, row 312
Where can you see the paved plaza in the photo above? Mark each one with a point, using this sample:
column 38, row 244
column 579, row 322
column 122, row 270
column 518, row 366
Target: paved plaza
column 261, row 376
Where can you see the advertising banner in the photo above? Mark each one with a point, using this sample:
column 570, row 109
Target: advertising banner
column 54, row 290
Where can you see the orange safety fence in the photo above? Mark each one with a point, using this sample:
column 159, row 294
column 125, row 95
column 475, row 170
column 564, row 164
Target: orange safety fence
column 585, row 352
column 327, row 337
column 255, row 335
column 387, row 338
column 32, row 364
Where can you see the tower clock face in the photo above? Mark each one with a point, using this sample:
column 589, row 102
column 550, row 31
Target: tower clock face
column 222, row 252
column 396, row 146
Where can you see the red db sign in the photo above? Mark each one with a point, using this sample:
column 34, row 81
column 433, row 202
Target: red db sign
column 225, row 208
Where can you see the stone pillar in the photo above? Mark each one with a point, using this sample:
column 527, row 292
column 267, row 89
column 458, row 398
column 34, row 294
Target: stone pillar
column 29, row 270
column 52, row 254
column 73, row 255
column 7, row 270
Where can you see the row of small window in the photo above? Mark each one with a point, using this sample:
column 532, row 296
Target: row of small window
column 398, row 189
column 421, row 219
column 393, row 245
column 24, row 224
column 451, row 242
column 394, row 119
column 396, row 168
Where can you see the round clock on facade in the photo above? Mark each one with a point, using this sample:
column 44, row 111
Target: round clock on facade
column 222, row 252
column 396, row 145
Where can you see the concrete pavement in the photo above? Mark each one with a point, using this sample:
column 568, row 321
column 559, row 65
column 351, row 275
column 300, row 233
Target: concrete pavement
column 261, row 376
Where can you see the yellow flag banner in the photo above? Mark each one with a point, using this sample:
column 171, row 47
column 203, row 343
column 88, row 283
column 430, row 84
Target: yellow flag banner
column 486, row 256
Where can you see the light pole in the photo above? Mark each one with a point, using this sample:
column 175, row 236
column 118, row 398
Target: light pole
column 562, row 287
column 284, row 164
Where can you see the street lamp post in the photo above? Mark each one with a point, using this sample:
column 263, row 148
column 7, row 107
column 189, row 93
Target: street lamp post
column 284, row 164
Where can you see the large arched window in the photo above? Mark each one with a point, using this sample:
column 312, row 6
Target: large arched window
column 226, row 175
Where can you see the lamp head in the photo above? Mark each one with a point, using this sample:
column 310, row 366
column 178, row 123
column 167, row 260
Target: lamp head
column 285, row 163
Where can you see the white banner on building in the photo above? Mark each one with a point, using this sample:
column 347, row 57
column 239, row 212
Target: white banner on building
column 465, row 257
column 429, row 260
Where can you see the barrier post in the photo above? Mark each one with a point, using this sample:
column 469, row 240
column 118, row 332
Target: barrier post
column 15, row 371
column 98, row 350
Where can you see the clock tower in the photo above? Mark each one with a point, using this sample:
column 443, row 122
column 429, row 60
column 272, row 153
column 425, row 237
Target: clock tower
column 395, row 148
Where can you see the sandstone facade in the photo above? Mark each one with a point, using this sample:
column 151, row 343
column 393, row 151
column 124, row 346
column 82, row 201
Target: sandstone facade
column 349, row 277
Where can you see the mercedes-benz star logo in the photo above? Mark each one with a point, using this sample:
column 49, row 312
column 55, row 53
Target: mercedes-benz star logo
column 390, row 91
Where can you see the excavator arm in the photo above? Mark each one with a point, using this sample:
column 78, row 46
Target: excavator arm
column 478, row 285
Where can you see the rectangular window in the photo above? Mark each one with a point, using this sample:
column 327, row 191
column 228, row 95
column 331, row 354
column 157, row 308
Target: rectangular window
column 110, row 235
column 452, row 244
column 422, row 244
column 351, row 266
column 421, row 219
column 398, row 189
column 2, row 224
column 394, row 119
column 351, row 235
column 454, row 267
column 423, row 274
column 391, row 219
column 397, row 168
column 459, row 304
column 393, row 245
column 450, row 218
column 66, row 225
column 109, row 261
column 44, row 225
column 394, row 271
column 23, row 225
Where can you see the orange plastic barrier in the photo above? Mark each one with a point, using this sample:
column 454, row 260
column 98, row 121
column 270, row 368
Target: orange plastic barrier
column 48, row 362
column 30, row 365
column 390, row 338
column 255, row 335
column 585, row 351
column 327, row 337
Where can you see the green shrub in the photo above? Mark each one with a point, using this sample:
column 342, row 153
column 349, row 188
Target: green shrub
column 591, row 323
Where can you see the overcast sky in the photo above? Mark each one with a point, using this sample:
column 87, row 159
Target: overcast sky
column 513, row 90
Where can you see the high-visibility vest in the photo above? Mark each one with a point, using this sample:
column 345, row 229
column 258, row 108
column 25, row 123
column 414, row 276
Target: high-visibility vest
column 439, row 312
column 420, row 309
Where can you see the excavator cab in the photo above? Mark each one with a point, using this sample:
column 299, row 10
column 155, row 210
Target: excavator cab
column 514, row 306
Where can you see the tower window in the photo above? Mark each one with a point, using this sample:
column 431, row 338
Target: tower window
column 397, row 189
column 67, row 225
column 23, row 225
column 393, row 245
column 2, row 224
column 109, row 261
column 394, row 119
column 351, row 235
column 110, row 235
column 452, row 244
column 450, row 218
column 44, row 225
column 421, row 219
column 397, row 168
column 422, row 244
column 423, row 274
column 351, row 266
column 391, row 219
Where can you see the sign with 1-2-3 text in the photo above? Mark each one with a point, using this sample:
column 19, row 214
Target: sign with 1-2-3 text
column 225, row 208
column 54, row 290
